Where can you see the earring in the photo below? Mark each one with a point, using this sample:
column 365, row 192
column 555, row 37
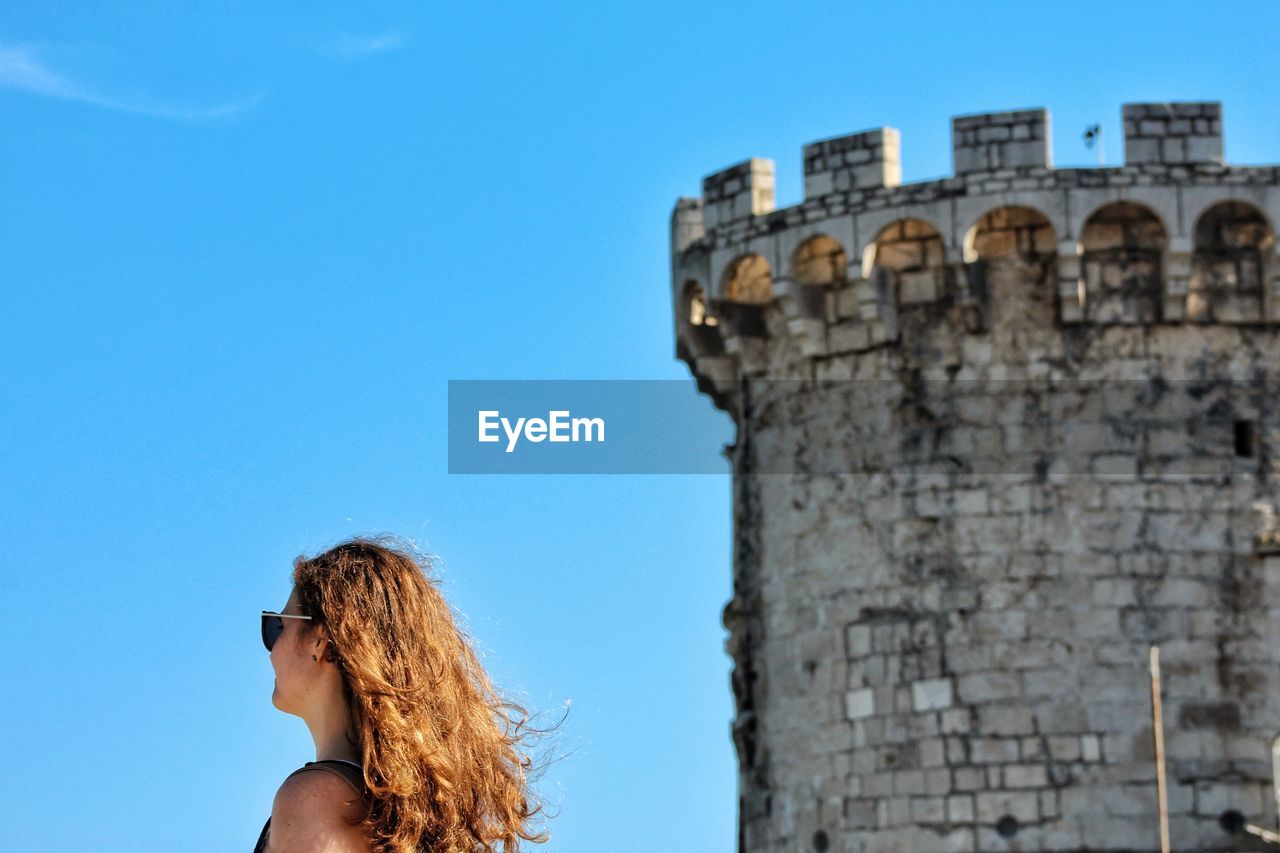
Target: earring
column 313, row 657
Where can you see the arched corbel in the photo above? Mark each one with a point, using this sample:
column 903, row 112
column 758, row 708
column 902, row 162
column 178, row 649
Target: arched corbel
column 1271, row 273
column 1071, row 289
column 1177, row 277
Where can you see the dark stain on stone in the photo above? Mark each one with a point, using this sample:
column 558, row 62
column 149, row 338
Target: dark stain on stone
column 1210, row 715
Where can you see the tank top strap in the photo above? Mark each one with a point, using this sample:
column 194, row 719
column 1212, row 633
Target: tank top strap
column 353, row 775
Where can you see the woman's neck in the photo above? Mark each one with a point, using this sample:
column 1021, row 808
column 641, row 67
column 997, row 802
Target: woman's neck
column 329, row 726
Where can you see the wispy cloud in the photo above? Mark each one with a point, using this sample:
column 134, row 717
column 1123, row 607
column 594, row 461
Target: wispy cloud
column 22, row 69
column 348, row 46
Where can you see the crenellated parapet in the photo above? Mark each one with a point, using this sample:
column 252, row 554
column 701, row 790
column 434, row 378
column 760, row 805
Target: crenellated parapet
column 1174, row 237
column 988, row 142
column 1173, row 133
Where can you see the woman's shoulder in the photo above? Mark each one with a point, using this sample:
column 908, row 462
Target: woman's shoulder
column 316, row 810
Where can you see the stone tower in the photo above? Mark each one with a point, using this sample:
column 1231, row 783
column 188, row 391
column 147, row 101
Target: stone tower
column 998, row 435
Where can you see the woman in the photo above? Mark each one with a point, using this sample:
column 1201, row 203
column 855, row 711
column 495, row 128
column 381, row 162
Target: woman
column 415, row 751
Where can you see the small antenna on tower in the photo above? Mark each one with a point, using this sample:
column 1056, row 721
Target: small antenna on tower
column 1093, row 134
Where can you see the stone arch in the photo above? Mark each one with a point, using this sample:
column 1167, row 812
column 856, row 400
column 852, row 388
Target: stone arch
column 747, row 280
column 1122, row 259
column 1010, row 267
column 1233, row 242
column 1014, row 231
column 908, row 258
column 818, row 261
column 905, row 245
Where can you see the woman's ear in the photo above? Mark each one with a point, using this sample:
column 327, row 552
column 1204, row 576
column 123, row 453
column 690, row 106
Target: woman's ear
column 324, row 649
column 319, row 642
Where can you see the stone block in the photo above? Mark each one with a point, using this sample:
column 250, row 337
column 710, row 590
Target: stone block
column 1023, row 806
column 1025, row 776
column 960, row 808
column 859, row 703
column 931, row 694
column 989, row 750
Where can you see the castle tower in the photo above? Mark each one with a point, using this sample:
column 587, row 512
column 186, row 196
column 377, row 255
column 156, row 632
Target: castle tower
column 998, row 435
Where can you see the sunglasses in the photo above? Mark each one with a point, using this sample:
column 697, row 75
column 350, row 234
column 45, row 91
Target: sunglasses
column 273, row 626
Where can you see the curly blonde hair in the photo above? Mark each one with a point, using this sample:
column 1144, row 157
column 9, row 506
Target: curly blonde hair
column 442, row 750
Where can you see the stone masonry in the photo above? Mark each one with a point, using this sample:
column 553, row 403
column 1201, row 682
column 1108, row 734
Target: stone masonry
column 998, row 434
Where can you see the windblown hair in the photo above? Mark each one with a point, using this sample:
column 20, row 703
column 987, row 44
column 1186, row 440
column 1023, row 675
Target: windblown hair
column 443, row 758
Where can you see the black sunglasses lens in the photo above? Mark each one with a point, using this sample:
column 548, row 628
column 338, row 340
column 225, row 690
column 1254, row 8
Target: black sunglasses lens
column 272, row 628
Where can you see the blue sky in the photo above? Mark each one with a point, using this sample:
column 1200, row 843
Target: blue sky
column 243, row 248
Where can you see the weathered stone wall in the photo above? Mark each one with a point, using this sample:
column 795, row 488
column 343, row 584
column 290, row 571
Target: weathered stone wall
column 979, row 472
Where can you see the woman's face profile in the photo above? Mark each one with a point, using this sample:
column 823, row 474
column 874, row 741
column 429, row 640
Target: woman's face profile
column 288, row 659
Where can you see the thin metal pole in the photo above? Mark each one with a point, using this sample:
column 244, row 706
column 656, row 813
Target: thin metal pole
column 1158, row 719
column 1101, row 155
column 1275, row 777
column 1264, row 834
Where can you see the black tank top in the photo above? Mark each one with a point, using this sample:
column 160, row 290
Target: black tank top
column 353, row 774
